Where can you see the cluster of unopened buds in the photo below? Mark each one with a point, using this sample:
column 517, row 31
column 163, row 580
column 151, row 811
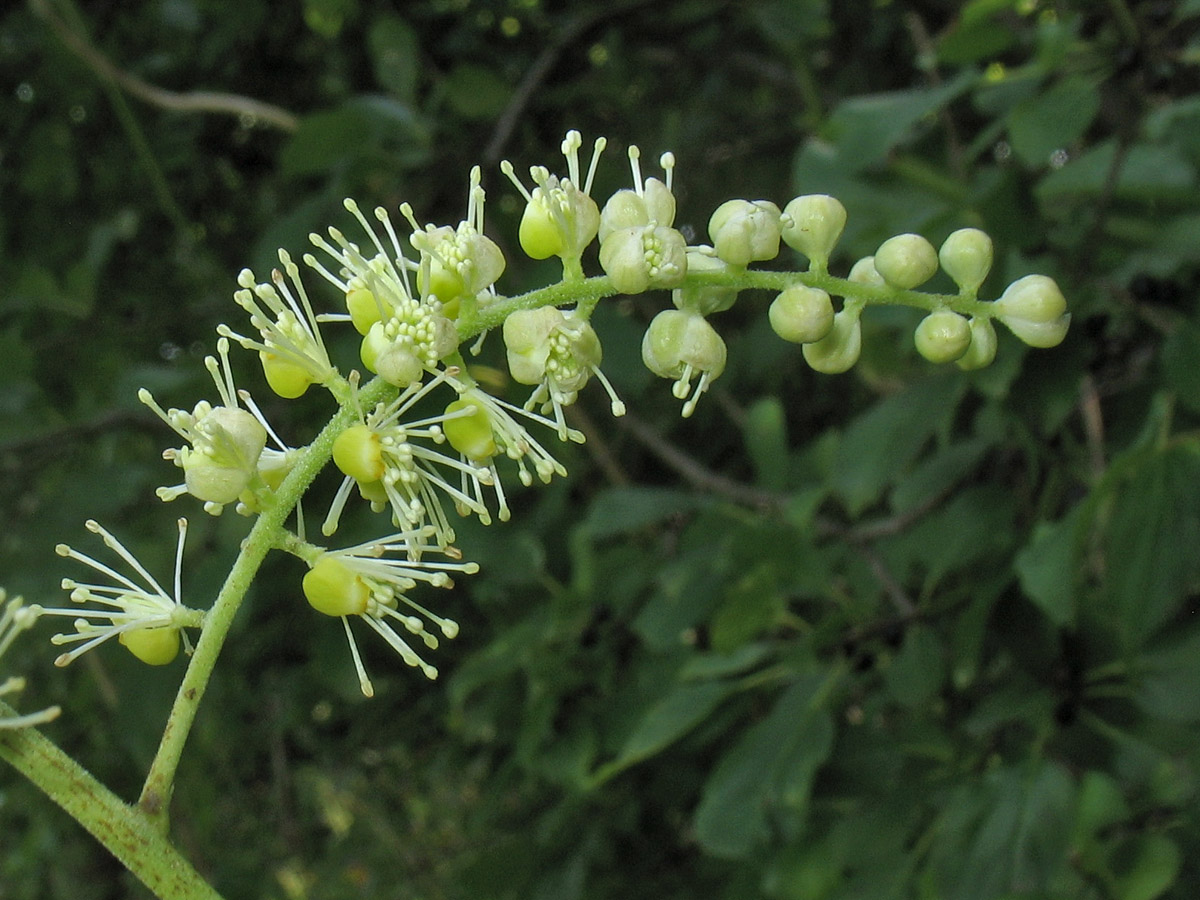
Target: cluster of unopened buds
column 426, row 440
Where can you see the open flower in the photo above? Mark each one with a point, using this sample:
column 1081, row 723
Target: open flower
column 15, row 618
column 147, row 620
column 372, row 581
column 224, row 442
column 391, row 463
column 292, row 353
column 405, row 334
column 558, row 351
column 560, row 217
column 482, row 427
column 459, row 262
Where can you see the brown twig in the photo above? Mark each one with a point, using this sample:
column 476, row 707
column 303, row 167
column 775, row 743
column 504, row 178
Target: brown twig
column 186, row 101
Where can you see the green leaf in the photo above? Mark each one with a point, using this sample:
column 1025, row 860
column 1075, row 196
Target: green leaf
column 679, row 711
column 765, row 432
column 476, row 92
column 918, row 671
column 622, row 510
column 1048, row 566
column 1155, row 866
column 1146, row 173
column 395, row 56
column 881, row 444
column 1053, row 119
column 324, row 139
column 774, row 761
column 1168, row 678
column 872, row 125
column 1150, row 545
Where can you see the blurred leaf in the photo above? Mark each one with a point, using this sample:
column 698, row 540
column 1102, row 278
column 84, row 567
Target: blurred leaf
column 1053, row 119
column 678, row 711
column 774, row 761
column 917, row 672
column 1048, row 566
column 1154, row 868
column 1168, row 678
column 872, row 125
column 395, row 55
column 881, row 444
column 766, row 440
column 1146, row 173
column 476, row 92
column 622, row 510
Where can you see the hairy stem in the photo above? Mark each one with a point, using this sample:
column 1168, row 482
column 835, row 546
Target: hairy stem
column 265, row 534
column 122, row 829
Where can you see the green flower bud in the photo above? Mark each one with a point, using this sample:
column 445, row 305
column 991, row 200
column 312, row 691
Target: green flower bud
column 357, row 452
column 801, row 314
column 864, row 272
column 471, row 434
column 906, row 261
column 331, row 588
column 365, row 309
column 654, row 204
column 286, row 378
column 679, row 345
column 153, row 646
column 967, row 258
column 839, row 350
column 812, row 225
column 224, row 455
column 704, row 300
column 527, row 340
column 943, row 336
column 643, row 257
column 1034, row 309
column 744, row 231
column 983, row 346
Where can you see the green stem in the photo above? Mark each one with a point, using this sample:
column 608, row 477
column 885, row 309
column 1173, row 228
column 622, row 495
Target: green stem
column 587, row 292
column 265, row 534
column 122, row 829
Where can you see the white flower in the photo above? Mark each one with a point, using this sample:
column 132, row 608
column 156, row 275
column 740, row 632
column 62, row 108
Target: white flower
column 558, row 351
column 145, row 618
column 405, row 334
column 226, row 441
column 15, row 618
column 292, row 351
column 389, row 461
column 560, row 217
column 369, row 581
column 459, row 262
column 483, row 427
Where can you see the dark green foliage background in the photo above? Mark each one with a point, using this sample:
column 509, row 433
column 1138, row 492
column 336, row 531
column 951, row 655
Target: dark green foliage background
column 898, row 633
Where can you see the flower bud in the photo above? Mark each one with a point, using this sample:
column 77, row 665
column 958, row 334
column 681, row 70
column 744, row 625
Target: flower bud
column 704, row 299
column 801, row 314
column 365, row 309
column 943, row 336
column 642, row 257
column 983, row 346
column 331, row 588
column 212, row 483
column 470, row 434
column 286, row 378
column 527, row 340
column 357, row 452
column 680, row 345
column 864, row 272
column 224, row 455
column 838, row 351
column 812, row 225
column 1034, row 309
column 744, row 231
column 966, row 256
column 654, row 204
column 906, row 260
column 153, row 646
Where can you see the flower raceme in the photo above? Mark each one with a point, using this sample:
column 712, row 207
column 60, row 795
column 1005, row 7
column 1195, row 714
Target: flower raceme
column 427, row 440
